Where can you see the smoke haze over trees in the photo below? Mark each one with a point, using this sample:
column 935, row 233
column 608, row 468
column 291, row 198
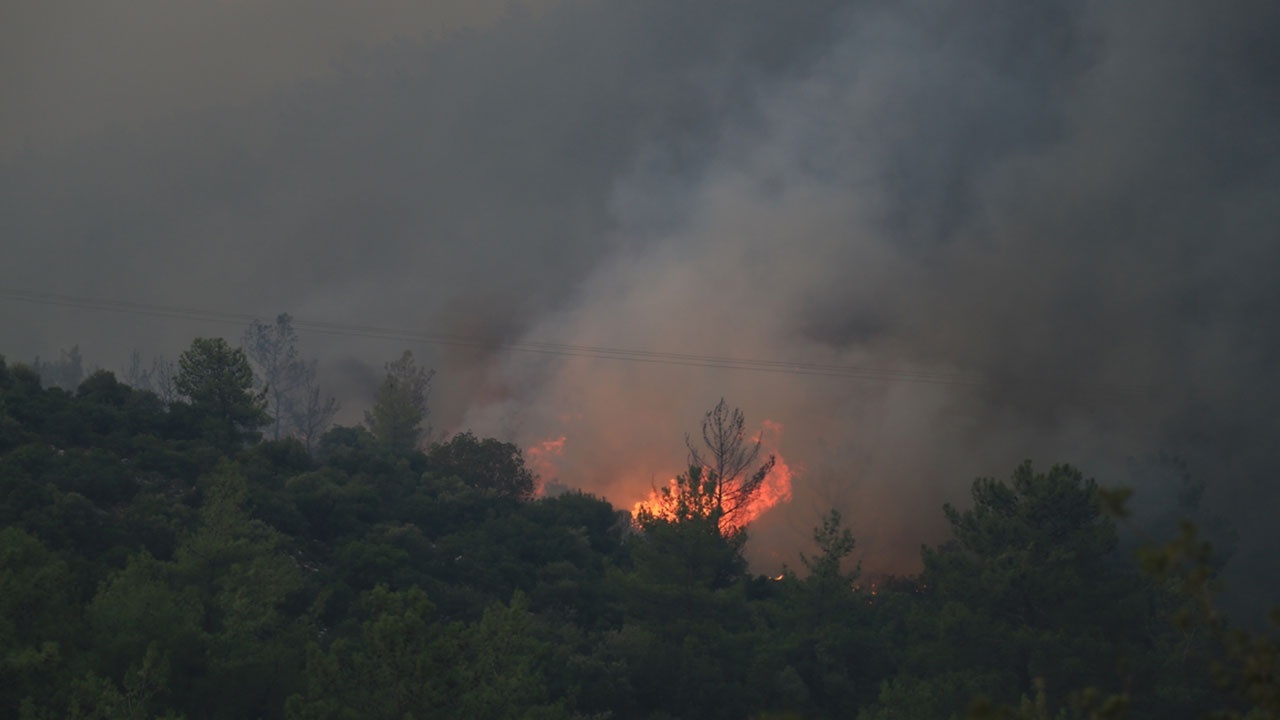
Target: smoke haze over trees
column 153, row 566
column 1040, row 230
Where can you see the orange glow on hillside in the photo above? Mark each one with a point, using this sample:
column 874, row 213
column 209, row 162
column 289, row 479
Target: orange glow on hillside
column 542, row 460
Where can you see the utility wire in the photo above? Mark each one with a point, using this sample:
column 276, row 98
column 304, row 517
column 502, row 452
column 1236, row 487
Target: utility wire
column 1120, row 390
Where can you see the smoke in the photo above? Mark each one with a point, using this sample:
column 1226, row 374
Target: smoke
column 1073, row 206
column 1025, row 230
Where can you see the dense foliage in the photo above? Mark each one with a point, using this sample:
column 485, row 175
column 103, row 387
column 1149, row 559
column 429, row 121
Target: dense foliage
column 157, row 560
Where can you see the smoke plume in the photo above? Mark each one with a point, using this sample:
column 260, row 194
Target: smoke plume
column 965, row 233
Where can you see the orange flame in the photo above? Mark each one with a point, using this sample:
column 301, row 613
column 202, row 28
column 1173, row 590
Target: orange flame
column 774, row 491
column 653, row 504
column 546, row 457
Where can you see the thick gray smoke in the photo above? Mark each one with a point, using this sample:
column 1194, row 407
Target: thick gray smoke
column 1050, row 229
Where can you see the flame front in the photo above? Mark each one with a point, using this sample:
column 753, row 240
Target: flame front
column 774, row 491
column 545, row 458
column 653, row 504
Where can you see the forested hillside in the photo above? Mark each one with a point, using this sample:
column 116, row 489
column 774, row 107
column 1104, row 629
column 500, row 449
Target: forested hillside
column 161, row 559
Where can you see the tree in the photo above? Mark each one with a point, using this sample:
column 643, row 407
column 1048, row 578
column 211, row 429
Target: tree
column 137, row 375
column 141, row 611
column 487, row 464
column 158, row 378
column 242, row 571
column 836, row 543
column 692, row 497
column 273, row 351
column 727, row 461
column 685, row 540
column 1244, row 666
column 164, row 379
column 687, row 627
column 501, row 671
column 1027, row 589
column 397, row 667
column 1247, row 664
column 218, row 382
column 1028, row 548
column 400, row 407
column 311, row 412
column 38, row 620
column 66, row 373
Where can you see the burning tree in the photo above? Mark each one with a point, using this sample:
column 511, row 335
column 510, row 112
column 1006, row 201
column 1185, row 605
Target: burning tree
column 688, row 498
column 728, row 461
column 724, row 479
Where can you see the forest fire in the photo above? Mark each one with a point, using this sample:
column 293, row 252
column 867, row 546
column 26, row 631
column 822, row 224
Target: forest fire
column 652, row 505
column 731, row 473
column 774, row 490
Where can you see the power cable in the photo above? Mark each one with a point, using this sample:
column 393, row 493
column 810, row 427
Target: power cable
column 1120, row 390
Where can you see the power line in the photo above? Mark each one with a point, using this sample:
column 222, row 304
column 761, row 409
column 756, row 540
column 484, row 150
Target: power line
column 544, row 348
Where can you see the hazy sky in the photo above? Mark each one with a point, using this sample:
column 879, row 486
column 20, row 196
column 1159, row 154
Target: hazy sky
column 1071, row 205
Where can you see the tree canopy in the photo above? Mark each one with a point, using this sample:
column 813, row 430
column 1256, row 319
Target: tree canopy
column 400, row 406
column 217, row 380
column 484, row 464
column 150, row 569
